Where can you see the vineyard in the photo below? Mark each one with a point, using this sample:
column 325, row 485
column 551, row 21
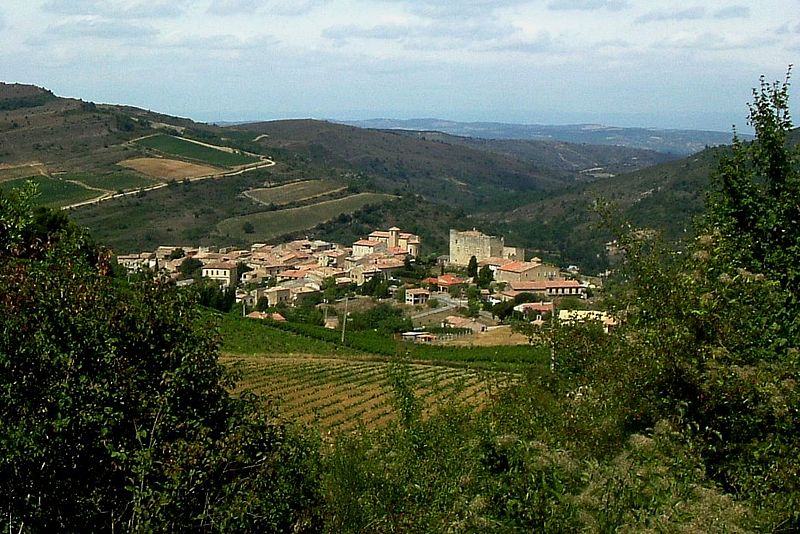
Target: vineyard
column 295, row 192
column 343, row 395
column 169, row 144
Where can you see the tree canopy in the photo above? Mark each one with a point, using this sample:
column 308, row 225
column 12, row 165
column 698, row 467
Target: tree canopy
column 115, row 412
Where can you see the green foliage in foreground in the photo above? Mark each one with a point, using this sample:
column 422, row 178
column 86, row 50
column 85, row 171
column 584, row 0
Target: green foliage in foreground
column 115, row 413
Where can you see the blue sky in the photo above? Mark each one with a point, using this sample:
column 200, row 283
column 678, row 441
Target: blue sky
column 615, row 62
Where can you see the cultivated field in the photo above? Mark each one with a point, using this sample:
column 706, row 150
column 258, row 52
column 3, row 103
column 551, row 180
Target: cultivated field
column 169, row 144
column 118, row 181
column 271, row 224
column 341, row 395
column 168, row 169
column 294, row 192
column 54, row 192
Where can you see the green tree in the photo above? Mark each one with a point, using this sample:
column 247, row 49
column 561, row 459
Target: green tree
column 485, row 277
column 190, row 268
column 472, row 267
column 176, row 254
column 710, row 337
column 115, row 412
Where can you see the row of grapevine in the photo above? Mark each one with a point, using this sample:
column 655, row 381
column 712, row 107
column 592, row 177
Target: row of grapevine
column 340, row 395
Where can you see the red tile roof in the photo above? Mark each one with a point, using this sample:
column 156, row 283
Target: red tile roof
column 518, row 266
column 220, row 265
column 450, row 280
column 367, row 243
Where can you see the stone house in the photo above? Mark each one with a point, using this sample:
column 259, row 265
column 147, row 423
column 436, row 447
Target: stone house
column 398, row 241
column 224, row 272
column 520, row 271
column 464, row 245
column 365, row 247
column 550, row 288
column 417, row 296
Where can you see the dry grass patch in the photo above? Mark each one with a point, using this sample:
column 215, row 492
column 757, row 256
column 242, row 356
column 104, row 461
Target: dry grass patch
column 168, row 169
column 502, row 335
column 12, row 172
column 295, row 192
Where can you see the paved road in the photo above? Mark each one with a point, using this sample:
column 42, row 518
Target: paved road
column 448, row 303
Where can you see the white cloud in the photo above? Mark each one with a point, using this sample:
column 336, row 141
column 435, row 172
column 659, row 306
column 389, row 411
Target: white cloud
column 82, row 27
column 118, row 8
column 588, row 5
column 710, row 41
column 437, row 34
column 233, row 7
column 732, row 12
column 691, row 13
column 230, row 42
column 460, row 9
column 540, row 44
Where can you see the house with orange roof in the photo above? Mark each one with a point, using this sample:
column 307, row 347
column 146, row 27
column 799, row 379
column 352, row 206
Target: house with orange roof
column 444, row 282
column 494, row 263
column 518, row 271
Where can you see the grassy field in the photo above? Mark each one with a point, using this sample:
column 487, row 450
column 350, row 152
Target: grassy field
column 54, row 192
column 342, row 395
column 271, row 224
column 176, row 146
column 294, row 192
column 118, row 181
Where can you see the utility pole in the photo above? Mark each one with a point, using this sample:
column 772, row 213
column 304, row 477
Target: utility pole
column 553, row 339
column 344, row 320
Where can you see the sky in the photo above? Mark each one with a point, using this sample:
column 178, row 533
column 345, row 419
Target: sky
column 641, row 63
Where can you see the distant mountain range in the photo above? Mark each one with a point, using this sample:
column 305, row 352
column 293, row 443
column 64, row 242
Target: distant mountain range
column 679, row 142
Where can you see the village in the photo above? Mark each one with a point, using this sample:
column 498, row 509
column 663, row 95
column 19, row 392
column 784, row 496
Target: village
column 470, row 291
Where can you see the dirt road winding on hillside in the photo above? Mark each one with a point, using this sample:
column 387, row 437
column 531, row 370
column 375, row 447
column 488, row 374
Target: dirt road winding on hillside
column 265, row 162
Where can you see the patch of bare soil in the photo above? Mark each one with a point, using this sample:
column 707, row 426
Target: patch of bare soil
column 168, row 169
